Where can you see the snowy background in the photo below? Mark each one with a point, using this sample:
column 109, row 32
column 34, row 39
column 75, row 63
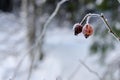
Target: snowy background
column 62, row 50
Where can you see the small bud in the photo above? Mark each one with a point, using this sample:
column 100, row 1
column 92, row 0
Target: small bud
column 77, row 28
column 87, row 30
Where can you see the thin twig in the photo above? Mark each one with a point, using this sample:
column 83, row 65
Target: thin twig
column 17, row 67
column 88, row 15
column 109, row 28
column 74, row 72
column 84, row 19
column 104, row 20
column 88, row 18
column 90, row 70
column 51, row 17
column 40, row 37
column 31, row 67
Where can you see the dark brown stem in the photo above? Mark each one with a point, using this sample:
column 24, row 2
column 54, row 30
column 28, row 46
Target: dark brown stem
column 109, row 28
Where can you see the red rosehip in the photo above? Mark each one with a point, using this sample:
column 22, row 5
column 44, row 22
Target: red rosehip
column 87, row 30
column 77, row 28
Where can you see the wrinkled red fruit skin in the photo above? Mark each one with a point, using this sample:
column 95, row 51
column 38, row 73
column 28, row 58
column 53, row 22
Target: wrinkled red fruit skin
column 77, row 28
column 87, row 30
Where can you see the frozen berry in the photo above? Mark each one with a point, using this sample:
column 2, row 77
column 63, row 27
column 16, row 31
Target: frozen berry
column 77, row 28
column 87, row 30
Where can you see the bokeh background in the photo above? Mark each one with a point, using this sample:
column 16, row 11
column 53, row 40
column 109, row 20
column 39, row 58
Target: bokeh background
column 58, row 54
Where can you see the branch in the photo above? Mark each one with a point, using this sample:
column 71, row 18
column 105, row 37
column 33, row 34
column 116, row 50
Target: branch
column 87, row 67
column 88, row 15
column 40, row 37
column 50, row 18
column 90, row 70
column 17, row 68
column 74, row 72
column 109, row 28
column 104, row 20
column 31, row 67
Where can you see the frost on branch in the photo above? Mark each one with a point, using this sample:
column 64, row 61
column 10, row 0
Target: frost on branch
column 88, row 30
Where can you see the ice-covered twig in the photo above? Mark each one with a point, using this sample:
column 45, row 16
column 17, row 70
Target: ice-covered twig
column 82, row 63
column 88, row 15
column 104, row 20
column 74, row 72
column 39, row 38
column 109, row 28
column 31, row 67
column 51, row 17
column 90, row 70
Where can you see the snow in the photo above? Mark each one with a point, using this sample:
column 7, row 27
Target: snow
column 49, row 69
column 62, row 49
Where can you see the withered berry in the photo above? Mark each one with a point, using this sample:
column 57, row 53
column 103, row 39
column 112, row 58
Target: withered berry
column 87, row 30
column 77, row 28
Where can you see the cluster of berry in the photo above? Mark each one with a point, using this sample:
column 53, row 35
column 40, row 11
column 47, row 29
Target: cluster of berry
column 87, row 29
